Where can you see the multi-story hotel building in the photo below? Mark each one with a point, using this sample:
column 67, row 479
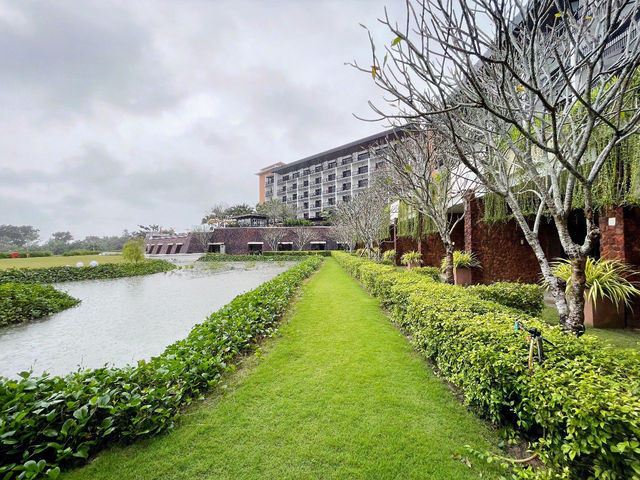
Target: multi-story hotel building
column 323, row 180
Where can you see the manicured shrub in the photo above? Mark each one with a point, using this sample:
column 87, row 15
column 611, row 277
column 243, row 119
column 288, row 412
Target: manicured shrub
column 71, row 274
column 432, row 272
column 50, row 422
column 265, row 257
column 579, row 409
column 296, row 253
column 523, row 296
column 75, row 253
column 26, row 254
column 24, row 302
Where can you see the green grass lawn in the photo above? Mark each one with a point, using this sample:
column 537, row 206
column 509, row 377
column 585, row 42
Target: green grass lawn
column 56, row 261
column 617, row 337
column 339, row 394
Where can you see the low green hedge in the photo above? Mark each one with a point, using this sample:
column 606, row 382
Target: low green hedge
column 296, row 253
column 21, row 302
column 50, row 422
column 580, row 409
column 265, row 257
column 523, row 296
column 71, row 274
column 75, row 253
column 27, row 254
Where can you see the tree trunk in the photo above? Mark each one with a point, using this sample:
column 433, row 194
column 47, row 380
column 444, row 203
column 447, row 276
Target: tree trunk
column 448, row 271
column 575, row 296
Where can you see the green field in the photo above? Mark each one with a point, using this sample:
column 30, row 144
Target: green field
column 57, row 261
column 339, row 394
column 617, row 337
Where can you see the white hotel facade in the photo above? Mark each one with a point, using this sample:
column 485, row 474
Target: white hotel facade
column 317, row 183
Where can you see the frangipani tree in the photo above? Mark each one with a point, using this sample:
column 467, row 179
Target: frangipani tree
column 523, row 90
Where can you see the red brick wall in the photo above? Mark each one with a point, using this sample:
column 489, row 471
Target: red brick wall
column 236, row 239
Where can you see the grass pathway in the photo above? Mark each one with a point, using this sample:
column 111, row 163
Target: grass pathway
column 340, row 394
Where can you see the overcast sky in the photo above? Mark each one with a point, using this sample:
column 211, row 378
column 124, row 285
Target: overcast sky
column 126, row 112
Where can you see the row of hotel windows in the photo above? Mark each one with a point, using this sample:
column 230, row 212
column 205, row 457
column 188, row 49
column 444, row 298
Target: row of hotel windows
column 318, row 168
column 170, row 249
column 318, row 191
column 256, row 247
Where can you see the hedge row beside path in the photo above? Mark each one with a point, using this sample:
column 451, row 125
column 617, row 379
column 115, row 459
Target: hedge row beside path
column 580, row 409
column 27, row 254
column 24, row 302
column 48, row 422
column 71, row 274
column 265, row 257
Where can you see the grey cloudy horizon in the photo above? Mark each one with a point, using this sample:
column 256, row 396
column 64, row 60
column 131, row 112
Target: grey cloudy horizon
column 119, row 113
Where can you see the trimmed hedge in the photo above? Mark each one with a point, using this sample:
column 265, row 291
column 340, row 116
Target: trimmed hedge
column 27, row 254
column 50, row 422
column 75, row 253
column 265, row 257
column 580, row 409
column 72, row 274
column 297, row 253
column 523, row 296
column 24, row 302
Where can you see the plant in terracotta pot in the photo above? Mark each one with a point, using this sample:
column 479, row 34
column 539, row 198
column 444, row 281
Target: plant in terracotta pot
column 411, row 259
column 463, row 262
column 607, row 290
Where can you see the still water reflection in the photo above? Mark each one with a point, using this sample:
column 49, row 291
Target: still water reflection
column 124, row 320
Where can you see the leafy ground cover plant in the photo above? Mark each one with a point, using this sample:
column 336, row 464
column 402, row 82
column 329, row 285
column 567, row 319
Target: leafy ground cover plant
column 605, row 279
column 71, row 274
column 523, row 296
column 49, row 422
column 24, row 302
column 579, row 409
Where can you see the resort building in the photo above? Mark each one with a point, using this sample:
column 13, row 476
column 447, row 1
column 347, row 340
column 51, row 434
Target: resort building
column 318, row 183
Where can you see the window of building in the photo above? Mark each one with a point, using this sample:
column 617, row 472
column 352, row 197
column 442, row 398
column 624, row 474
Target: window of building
column 305, row 195
column 331, row 189
column 363, row 183
column 332, row 164
column 294, row 186
column 363, row 169
column 332, row 176
column 295, row 175
column 216, row 248
column 158, row 249
column 318, row 245
column 346, row 173
column 286, row 177
column 318, row 180
column 345, row 161
column 284, row 198
column 305, row 183
column 285, row 246
column 305, row 205
column 306, row 216
column 318, row 215
column 363, row 156
column 169, row 248
column 332, row 201
column 318, row 168
column 178, row 247
column 318, row 191
column 346, row 186
column 269, row 180
column 306, row 171
column 318, row 204
column 346, row 198
column 294, row 196
column 254, row 248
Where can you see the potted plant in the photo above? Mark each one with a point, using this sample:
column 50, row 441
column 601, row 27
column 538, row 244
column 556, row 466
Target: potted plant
column 389, row 257
column 411, row 259
column 607, row 291
column 463, row 262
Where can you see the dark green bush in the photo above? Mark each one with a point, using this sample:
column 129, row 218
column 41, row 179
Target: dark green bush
column 24, row 302
column 298, row 222
column 27, row 254
column 70, row 274
column 49, row 422
column 433, row 272
column 523, row 296
column 580, row 409
column 75, row 253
